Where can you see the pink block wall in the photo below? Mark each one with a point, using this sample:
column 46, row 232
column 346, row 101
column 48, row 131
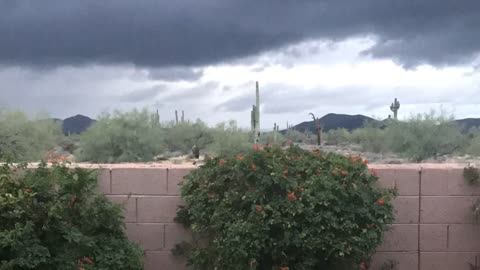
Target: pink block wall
column 434, row 227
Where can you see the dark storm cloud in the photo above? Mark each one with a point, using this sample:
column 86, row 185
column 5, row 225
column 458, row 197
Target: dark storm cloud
column 175, row 74
column 159, row 33
column 142, row 95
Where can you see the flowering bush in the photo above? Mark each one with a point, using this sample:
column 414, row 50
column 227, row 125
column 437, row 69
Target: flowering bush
column 284, row 209
column 52, row 219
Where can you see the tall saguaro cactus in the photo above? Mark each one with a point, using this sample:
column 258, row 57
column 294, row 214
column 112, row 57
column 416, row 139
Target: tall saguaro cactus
column 318, row 128
column 395, row 107
column 255, row 116
column 183, row 116
column 176, row 117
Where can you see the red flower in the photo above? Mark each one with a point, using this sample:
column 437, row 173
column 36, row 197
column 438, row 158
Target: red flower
column 344, row 184
column 88, row 260
column 363, row 266
column 255, row 147
column 381, row 201
column 72, row 200
column 285, row 171
column 316, row 153
column 259, row 208
column 221, row 161
column 254, row 167
column 292, row 196
column 362, row 174
column 365, row 161
column 373, row 172
column 284, row 268
column 344, row 172
column 335, row 171
column 211, row 196
column 240, row 158
column 27, row 190
column 270, row 145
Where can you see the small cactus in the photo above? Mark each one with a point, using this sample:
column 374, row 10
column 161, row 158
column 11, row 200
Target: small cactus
column 255, row 116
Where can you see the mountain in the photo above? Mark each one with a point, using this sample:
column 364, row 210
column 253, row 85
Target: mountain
column 468, row 123
column 336, row 121
column 76, row 124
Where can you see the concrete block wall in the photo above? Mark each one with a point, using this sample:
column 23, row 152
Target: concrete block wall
column 434, row 227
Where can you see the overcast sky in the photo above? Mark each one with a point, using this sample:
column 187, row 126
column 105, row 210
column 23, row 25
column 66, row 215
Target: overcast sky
column 70, row 57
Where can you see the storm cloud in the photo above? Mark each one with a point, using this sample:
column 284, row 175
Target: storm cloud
column 153, row 33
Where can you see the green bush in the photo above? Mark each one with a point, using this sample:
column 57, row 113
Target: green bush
column 182, row 136
column 371, row 139
column 122, row 137
column 23, row 139
column 339, row 136
column 52, row 219
column 229, row 139
column 283, row 209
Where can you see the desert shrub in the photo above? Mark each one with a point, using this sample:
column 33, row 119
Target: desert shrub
column 23, row 139
column 339, row 136
column 424, row 136
column 283, row 209
column 473, row 145
column 295, row 136
column 52, row 219
column 229, row 139
column 122, row 137
column 182, row 136
column 370, row 139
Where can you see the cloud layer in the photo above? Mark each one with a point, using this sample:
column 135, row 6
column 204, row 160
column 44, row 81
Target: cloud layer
column 161, row 33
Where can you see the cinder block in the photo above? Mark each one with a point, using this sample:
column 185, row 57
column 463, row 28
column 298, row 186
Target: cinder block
column 403, row 260
column 386, row 177
column 406, row 209
column 129, row 205
column 400, row 238
column 163, row 260
column 447, row 210
column 434, row 182
column 407, row 182
column 446, row 261
column 139, row 181
column 433, row 237
column 175, row 234
column 464, row 237
column 149, row 236
column 103, row 176
column 458, row 186
column 158, row 209
column 175, row 179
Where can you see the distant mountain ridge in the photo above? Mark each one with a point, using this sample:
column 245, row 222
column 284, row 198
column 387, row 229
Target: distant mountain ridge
column 76, row 124
column 333, row 121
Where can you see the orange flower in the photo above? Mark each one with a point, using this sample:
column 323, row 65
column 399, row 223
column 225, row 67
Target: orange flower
column 316, row 153
column 27, row 190
column 240, row 158
column 88, row 260
column 344, row 172
column 72, row 200
column 221, row 161
column 259, row 208
column 285, row 172
column 381, row 201
column 365, row 161
column 254, row 167
column 373, row 172
column 211, row 196
column 255, row 147
column 292, row 196
column 284, row 268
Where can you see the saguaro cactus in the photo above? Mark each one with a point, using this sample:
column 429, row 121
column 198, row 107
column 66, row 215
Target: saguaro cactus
column 255, row 116
column 318, row 129
column 395, row 107
column 176, row 117
column 275, row 130
column 155, row 118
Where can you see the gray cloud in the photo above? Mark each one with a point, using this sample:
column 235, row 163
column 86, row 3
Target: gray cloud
column 141, row 95
column 154, row 33
column 175, row 74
